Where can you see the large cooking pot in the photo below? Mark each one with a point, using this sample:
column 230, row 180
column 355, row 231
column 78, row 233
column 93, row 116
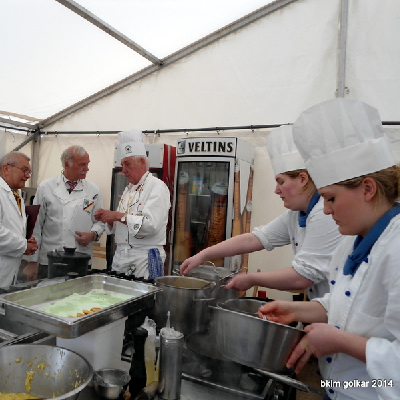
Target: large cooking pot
column 254, row 342
column 187, row 301
column 220, row 276
column 58, row 374
column 61, row 262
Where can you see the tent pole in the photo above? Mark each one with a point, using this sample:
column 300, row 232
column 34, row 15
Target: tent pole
column 341, row 76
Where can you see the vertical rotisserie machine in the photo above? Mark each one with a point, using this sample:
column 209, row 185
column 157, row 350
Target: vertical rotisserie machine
column 213, row 194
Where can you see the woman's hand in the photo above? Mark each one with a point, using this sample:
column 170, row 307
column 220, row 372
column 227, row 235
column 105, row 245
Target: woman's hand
column 282, row 312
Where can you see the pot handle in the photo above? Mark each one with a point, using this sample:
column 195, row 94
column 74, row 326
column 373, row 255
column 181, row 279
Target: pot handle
column 210, row 299
column 291, row 382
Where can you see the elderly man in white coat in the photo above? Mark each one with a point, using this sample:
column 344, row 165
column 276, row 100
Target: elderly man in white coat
column 14, row 172
column 140, row 221
column 66, row 216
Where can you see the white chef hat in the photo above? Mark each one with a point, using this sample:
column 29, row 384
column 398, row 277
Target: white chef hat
column 131, row 143
column 282, row 150
column 341, row 139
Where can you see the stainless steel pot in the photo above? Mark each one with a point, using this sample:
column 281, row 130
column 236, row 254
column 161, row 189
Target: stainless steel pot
column 69, row 260
column 220, row 276
column 58, row 373
column 187, row 301
column 254, row 342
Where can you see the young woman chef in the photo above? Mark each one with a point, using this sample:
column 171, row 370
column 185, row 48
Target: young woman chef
column 355, row 328
column 312, row 234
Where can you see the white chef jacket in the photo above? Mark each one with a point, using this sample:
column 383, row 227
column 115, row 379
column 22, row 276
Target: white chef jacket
column 312, row 245
column 60, row 212
column 147, row 216
column 367, row 304
column 12, row 235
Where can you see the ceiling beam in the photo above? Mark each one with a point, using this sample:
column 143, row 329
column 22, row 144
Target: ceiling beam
column 86, row 14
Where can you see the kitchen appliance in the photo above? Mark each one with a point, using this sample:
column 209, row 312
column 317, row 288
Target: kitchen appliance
column 162, row 160
column 58, row 373
column 213, row 194
column 61, row 262
column 23, row 306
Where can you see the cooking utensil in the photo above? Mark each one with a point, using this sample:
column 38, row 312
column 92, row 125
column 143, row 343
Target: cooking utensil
column 254, row 342
column 220, row 276
column 244, row 305
column 109, row 383
column 188, row 298
column 23, row 306
column 59, row 374
column 61, row 262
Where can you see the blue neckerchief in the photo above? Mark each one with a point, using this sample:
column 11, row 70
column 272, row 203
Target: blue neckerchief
column 363, row 246
column 303, row 215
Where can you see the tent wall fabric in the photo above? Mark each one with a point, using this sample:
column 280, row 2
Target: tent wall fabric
column 265, row 73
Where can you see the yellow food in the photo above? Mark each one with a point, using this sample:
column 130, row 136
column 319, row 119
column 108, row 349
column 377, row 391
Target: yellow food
column 18, row 360
column 95, row 309
column 28, row 380
column 87, row 311
column 16, row 396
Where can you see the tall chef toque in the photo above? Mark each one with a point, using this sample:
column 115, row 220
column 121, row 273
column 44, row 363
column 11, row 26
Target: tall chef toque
column 131, row 143
column 341, row 139
column 282, row 150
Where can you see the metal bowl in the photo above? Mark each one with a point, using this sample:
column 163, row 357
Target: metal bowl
column 254, row 342
column 58, row 374
column 245, row 306
column 108, row 383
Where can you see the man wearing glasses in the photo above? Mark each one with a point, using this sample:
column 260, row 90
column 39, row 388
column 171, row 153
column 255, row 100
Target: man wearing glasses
column 14, row 172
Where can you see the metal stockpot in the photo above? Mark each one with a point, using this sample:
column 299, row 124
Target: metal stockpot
column 187, row 301
column 69, row 260
column 221, row 277
column 254, row 342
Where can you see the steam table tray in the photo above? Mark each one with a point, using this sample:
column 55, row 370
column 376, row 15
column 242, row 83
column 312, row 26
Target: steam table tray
column 22, row 306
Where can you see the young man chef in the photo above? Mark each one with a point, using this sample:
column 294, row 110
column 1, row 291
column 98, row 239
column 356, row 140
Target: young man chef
column 14, row 172
column 66, row 217
column 139, row 224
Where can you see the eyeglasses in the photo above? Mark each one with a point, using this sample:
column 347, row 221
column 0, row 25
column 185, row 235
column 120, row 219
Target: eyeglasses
column 27, row 172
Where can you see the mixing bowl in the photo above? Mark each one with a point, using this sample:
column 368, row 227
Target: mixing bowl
column 57, row 373
column 109, row 382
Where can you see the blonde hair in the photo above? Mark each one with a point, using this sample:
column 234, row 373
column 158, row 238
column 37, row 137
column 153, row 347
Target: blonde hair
column 387, row 180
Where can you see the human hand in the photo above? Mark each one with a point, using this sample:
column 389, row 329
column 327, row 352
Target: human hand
column 190, row 263
column 282, row 312
column 108, row 216
column 240, row 282
column 97, row 215
column 84, row 238
column 31, row 246
column 321, row 339
column 31, row 271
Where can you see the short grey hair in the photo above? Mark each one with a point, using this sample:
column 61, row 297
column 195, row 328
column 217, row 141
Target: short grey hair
column 138, row 159
column 12, row 158
column 68, row 154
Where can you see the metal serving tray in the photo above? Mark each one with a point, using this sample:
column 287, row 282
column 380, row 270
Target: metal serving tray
column 22, row 306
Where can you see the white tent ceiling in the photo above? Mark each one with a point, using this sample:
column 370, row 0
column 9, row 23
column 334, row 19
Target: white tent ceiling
column 51, row 57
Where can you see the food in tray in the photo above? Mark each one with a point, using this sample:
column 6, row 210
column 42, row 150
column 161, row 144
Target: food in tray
column 79, row 305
